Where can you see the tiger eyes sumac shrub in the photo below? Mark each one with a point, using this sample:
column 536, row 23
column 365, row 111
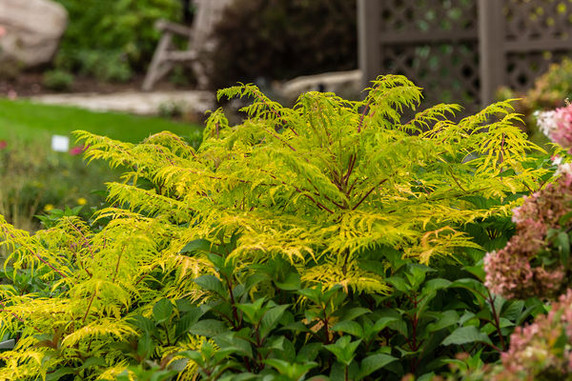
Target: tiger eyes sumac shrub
column 321, row 240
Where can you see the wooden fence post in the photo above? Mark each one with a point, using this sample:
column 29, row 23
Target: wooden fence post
column 491, row 48
column 369, row 18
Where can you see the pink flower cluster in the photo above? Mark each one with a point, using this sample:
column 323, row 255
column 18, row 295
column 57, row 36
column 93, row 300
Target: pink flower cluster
column 542, row 350
column 518, row 270
column 78, row 150
column 557, row 125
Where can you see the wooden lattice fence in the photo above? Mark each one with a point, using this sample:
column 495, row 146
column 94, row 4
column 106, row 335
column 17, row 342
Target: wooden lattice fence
column 461, row 51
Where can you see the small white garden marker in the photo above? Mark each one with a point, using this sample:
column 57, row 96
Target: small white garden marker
column 60, row 143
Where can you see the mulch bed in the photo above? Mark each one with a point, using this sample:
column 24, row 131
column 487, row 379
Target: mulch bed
column 27, row 84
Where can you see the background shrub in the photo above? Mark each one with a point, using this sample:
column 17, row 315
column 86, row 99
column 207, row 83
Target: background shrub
column 112, row 38
column 281, row 39
column 57, row 80
column 550, row 91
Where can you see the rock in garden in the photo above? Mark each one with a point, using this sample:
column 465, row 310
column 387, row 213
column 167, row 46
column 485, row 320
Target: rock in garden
column 345, row 83
column 30, row 30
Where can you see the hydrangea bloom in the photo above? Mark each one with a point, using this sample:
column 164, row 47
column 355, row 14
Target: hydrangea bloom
column 530, row 265
column 557, row 125
column 517, row 271
column 542, row 350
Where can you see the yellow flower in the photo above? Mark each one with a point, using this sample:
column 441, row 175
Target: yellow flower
column 48, row 207
column 81, row 201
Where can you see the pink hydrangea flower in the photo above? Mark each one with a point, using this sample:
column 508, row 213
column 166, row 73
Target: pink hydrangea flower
column 509, row 272
column 557, row 125
column 543, row 349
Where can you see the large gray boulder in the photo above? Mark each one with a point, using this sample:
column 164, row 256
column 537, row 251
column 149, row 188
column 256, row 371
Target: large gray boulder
column 31, row 30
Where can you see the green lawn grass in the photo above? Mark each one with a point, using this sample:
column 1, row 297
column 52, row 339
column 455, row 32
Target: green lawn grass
column 36, row 121
column 35, row 179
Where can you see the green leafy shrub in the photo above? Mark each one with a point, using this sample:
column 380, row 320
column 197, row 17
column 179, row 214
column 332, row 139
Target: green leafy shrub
column 58, row 80
column 114, row 38
column 319, row 240
column 109, row 66
column 281, row 39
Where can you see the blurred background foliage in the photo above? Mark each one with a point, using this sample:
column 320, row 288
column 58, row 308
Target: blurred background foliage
column 551, row 90
column 114, row 39
column 282, row 39
column 269, row 39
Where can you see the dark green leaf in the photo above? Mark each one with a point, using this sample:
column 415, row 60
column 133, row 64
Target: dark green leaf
column 446, row 319
column 312, row 294
column 563, row 241
column 293, row 371
column 344, row 349
column 143, row 323
column 354, row 313
column 436, row 284
column 465, row 335
column 474, row 286
column 184, row 305
column 374, row 362
column 291, row 283
column 503, row 323
column 271, row 319
column 351, row 327
column 187, row 320
column 468, row 315
column 309, row 352
column 477, row 271
column 512, row 310
column 145, row 346
column 565, row 218
column 399, row 284
column 383, row 322
column 59, row 373
column 211, row 283
column 93, row 361
column 534, row 307
column 162, row 310
column 197, row 245
column 253, row 312
column 229, row 341
column 208, row 328
column 417, row 274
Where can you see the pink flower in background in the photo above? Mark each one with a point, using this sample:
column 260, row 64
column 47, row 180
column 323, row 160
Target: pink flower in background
column 12, row 94
column 77, row 150
column 557, row 125
column 2, row 30
column 3, row 144
column 541, row 348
